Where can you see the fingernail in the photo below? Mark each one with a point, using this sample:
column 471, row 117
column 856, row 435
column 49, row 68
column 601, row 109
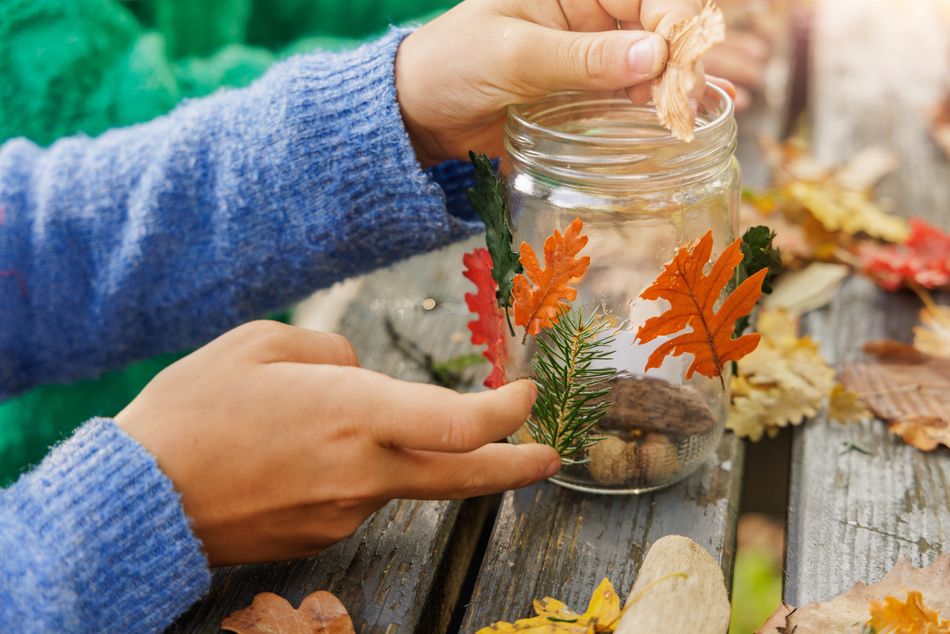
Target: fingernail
column 644, row 56
column 553, row 468
column 533, row 391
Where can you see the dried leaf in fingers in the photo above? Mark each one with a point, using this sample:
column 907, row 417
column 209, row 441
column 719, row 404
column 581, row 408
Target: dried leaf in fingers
column 688, row 42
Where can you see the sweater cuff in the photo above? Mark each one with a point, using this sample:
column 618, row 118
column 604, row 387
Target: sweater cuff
column 113, row 528
column 455, row 178
column 358, row 127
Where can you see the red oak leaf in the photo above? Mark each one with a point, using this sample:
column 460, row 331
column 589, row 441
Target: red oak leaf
column 923, row 259
column 489, row 328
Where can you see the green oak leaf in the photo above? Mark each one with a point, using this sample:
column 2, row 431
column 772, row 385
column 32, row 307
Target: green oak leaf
column 757, row 254
column 488, row 199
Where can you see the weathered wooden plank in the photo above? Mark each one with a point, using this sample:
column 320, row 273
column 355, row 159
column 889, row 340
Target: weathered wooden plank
column 851, row 514
column 552, row 541
column 386, row 572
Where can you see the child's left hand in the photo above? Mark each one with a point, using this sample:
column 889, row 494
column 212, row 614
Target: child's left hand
column 457, row 75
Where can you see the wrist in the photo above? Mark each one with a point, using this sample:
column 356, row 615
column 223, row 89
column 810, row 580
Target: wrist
column 408, row 87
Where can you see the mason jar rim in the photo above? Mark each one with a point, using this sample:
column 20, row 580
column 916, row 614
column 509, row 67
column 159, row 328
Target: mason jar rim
column 516, row 112
column 622, row 163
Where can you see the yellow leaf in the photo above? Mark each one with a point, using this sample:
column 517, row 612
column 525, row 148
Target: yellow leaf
column 839, row 209
column 554, row 617
column 783, row 382
column 911, row 616
column 845, row 406
column 604, row 607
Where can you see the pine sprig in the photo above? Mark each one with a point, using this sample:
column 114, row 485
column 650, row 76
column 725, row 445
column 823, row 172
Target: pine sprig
column 570, row 389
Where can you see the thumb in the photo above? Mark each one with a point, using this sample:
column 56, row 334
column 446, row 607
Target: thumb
column 564, row 60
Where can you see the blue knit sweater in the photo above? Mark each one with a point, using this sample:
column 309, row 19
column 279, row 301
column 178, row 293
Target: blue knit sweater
column 159, row 237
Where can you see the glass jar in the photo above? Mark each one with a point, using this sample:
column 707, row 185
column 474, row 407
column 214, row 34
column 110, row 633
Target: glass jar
column 640, row 194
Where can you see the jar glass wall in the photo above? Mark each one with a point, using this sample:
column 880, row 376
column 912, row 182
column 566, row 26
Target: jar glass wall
column 640, row 194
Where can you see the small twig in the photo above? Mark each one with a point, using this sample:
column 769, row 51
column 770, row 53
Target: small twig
column 852, row 446
column 438, row 372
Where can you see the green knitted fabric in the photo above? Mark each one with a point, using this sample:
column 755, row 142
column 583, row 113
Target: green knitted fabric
column 274, row 23
column 234, row 65
column 54, row 53
column 73, row 66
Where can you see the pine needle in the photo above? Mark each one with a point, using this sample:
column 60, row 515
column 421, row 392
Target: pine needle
column 571, row 390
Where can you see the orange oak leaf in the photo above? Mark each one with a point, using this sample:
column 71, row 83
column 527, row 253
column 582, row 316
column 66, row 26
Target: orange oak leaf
column 488, row 329
column 906, row 617
column 319, row 613
column 539, row 302
column 693, row 296
column 907, row 388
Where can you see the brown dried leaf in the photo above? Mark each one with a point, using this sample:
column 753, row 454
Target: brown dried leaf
column 319, row 613
column 923, row 432
column 848, row 612
column 908, row 389
column 688, row 42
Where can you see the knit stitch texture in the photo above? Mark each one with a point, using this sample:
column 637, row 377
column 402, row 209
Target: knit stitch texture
column 95, row 540
column 159, row 237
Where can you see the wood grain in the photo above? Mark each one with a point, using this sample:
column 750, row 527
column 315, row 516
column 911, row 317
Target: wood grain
column 851, row 514
column 385, row 573
column 552, row 541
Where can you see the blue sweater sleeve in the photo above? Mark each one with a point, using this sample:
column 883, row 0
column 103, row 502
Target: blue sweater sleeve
column 160, row 236
column 95, row 539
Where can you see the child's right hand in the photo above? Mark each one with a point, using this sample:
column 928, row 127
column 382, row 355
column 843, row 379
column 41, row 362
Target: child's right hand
column 281, row 445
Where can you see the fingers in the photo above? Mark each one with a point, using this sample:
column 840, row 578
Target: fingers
column 610, row 60
column 660, row 16
column 723, row 83
column 730, row 62
column 274, row 342
column 311, row 346
column 426, row 417
column 489, row 469
column 641, row 94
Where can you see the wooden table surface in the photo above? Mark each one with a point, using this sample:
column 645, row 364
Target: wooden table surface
column 877, row 67
column 849, row 514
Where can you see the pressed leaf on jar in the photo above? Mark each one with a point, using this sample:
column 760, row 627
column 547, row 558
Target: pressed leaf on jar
column 488, row 329
column 542, row 294
column 693, row 296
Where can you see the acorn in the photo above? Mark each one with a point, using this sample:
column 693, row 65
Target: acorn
column 612, row 460
column 658, row 459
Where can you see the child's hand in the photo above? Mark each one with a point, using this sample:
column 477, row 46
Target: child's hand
column 457, row 74
column 280, row 444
